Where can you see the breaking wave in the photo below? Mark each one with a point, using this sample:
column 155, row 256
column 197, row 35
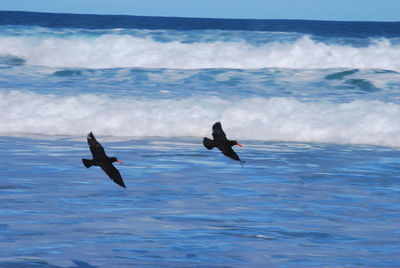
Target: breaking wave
column 267, row 119
column 124, row 50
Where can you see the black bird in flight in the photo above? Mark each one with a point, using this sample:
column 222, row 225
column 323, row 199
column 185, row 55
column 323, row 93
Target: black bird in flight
column 222, row 143
column 102, row 160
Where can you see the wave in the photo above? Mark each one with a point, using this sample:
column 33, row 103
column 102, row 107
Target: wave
column 265, row 119
column 114, row 51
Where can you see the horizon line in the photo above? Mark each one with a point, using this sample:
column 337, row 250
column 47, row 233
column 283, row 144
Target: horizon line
column 192, row 17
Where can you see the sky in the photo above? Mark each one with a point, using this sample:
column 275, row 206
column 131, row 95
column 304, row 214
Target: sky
column 344, row 10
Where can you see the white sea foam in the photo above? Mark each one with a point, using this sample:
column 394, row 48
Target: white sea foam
column 273, row 119
column 111, row 50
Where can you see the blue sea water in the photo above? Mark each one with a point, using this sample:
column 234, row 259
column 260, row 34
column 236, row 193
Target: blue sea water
column 315, row 104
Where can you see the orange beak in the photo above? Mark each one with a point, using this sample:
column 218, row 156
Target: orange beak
column 120, row 162
column 239, row 145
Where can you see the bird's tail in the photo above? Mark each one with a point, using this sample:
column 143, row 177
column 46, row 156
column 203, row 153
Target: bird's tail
column 209, row 144
column 87, row 163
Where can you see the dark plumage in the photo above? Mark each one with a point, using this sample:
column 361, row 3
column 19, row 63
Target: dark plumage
column 102, row 160
column 221, row 142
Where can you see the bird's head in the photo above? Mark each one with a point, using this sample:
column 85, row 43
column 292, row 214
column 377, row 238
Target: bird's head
column 114, row 159
column 236, row 143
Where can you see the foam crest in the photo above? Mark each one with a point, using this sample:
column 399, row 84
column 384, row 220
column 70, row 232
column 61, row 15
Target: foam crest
column 112, row 50
column 273, row 119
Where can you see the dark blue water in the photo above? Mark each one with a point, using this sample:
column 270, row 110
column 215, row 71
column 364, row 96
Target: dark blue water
column 315, row 104
column 323, row 28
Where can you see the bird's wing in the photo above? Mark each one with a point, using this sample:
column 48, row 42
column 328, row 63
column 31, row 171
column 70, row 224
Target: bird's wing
column 229, row 152
column 113, row 173
column 95, row 147
column 218, row 133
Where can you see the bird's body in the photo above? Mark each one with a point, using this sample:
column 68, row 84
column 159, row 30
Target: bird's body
column 102, row 160
column 221, row 142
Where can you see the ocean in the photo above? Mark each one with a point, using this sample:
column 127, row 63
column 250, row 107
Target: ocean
column 316, row 105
